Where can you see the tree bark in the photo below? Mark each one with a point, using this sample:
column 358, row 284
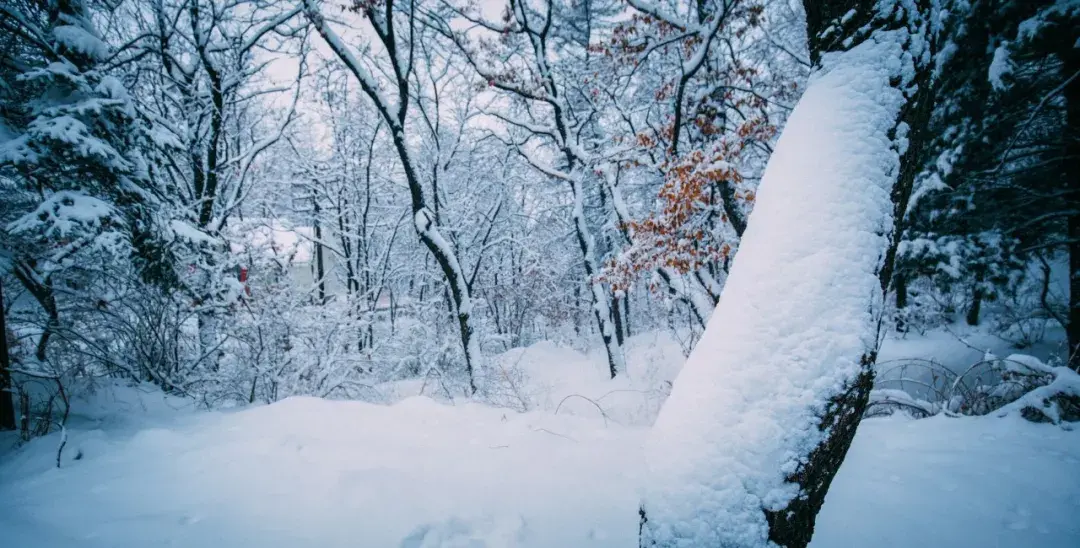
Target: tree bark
column 901, row 288
column 1070, row 66
column 975, row 310
column 793, row 526
column 7, row 394
column 320, row 268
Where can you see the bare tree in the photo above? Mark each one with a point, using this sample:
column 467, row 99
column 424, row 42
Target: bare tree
column 399, row 49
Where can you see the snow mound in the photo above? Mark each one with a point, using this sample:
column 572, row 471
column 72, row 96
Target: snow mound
column 561, row 380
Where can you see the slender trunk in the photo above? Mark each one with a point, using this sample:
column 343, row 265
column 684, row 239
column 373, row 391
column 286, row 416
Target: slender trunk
column 901, row 301
column 577, row 306
column 975, row 310
column 320, row 268
column 601, row 304
column 208, row 335
column 1071, row 65
column 1073, row 327
column 7, row 389
column 677, row 289
column 425, row 221
column 617, row 317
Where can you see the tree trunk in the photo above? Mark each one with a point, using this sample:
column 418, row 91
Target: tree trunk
column 761, row 427
column 975, row 310
column 425, row 221
column 793, row 525
column 7, row 392
column 1071, row 65
column 320, row 267
column 900, row 286
column 601, row 304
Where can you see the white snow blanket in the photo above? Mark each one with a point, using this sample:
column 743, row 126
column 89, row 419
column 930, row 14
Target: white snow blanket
column 309, row 472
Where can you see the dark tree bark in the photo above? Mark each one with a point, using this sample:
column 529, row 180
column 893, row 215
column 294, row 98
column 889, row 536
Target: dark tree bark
column 320, row 268
column 901, row 289
column 975, row 310
column 7, row 395
column 793, row 526
column 1070, row 67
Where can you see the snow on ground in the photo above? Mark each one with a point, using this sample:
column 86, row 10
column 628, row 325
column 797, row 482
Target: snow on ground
column 958, row 346
column 951, row 482
column 307, row 472
column 310, row 472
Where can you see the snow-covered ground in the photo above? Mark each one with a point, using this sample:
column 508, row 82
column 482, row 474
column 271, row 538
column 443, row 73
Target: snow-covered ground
column 141, row 469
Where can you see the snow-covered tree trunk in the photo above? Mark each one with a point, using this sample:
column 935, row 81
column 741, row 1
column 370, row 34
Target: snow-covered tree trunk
column 601, row 303
column 425, row 222
column 765, row 409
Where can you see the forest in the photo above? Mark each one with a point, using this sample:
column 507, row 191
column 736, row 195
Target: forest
column 539, row 273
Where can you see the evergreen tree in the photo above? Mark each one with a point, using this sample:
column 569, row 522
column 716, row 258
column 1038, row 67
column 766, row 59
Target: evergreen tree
column 1000, row 187
column 73, row 179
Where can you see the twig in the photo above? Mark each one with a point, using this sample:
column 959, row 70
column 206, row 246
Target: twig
column 63, row 442
column 601, row 409
column 554, row 433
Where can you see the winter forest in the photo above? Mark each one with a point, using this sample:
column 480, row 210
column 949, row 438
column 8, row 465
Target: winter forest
column 539, row 273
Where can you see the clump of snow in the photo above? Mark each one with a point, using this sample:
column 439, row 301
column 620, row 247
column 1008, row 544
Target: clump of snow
column 1000, row 67
column 795, row 317
column 78, row 38
column 185, row 231
column 64, row 213
column 1055, row 402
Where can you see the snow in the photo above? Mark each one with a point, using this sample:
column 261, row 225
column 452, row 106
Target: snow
column 561, row 380
column 311, row 472
column 954, row 482
column 187, row 232
column 63, row 213
column 274, row 237
column 79, row 39
column 1065, row 383
column 1000, row 67
column 795, row 316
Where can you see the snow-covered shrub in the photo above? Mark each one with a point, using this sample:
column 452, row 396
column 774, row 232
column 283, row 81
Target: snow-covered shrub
column 1055, row 401
column 1033, row 304
column 924, row 387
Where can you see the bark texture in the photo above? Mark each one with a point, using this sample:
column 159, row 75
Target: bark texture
column 793, row 526
column 7, row 403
